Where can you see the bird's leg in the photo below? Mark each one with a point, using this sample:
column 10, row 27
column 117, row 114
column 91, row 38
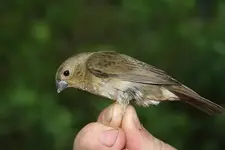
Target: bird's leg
column 122, row 99
column 123, row 103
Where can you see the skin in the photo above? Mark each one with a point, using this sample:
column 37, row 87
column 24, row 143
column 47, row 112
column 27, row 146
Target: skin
column 123, row 78
column 114, row 131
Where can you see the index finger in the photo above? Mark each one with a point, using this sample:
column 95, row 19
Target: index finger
column 112, row 115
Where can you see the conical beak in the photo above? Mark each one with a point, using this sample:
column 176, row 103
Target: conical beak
column 61, row 85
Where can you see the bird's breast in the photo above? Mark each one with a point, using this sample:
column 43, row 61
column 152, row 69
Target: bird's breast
column 143, row 94
column 111, row 88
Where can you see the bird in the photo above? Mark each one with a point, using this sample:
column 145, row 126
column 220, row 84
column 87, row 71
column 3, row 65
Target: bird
column 127, row 80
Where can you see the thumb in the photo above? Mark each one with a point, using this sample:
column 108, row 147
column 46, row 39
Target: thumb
column 98, row 136
column 137, row 136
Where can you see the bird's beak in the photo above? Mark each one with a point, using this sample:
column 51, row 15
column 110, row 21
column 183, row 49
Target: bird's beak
column 61, row 85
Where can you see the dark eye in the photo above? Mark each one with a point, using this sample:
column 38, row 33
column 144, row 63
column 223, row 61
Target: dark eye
column 66, row 73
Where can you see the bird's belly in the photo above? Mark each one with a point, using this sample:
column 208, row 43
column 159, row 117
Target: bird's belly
column 113, row 89
column 109, row 93
column 142, row 94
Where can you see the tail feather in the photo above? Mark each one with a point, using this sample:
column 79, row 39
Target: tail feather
column 189, row 96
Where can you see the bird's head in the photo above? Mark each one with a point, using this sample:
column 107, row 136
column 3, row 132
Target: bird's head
column 71, row 73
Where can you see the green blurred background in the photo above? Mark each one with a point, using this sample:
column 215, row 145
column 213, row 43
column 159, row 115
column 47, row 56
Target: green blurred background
column 186, row 38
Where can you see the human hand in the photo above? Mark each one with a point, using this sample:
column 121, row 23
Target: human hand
column 115, row 131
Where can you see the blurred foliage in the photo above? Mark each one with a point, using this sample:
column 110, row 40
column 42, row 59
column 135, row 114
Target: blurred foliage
column 184, row 38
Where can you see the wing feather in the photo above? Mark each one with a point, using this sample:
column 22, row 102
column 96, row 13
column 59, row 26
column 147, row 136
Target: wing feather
column 112, row 64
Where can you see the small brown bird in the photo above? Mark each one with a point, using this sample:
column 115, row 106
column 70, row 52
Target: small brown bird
column 125, row 79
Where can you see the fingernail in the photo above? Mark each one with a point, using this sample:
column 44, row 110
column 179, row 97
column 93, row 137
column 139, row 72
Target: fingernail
column 108, row 138
column 107, row 117
column 136, row 121
column 113, row 115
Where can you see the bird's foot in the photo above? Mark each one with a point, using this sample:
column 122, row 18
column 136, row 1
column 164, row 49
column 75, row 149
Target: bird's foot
column 123, row 104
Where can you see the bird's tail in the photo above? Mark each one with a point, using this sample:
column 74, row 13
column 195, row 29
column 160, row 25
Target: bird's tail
column 189, row 96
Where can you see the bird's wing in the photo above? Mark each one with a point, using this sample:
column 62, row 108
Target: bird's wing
column 111, row 64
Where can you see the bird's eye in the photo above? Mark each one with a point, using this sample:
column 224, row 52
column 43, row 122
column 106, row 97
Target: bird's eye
column 66, row 73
